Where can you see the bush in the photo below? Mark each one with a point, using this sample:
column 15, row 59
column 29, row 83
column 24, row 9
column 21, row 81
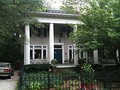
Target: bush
column 97, row 67
column 54, row 61
column 78, row 68
column 81, row 61
column 37, row 67
column 68, row 72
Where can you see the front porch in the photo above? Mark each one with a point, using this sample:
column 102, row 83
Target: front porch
column 65, row 62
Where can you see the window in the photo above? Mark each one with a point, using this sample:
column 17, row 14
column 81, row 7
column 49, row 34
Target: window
column 71, row 49
column 39, row 31
column 46, row 30
column 70, row 54
column 44, row 54
column 65, row 31
column 31, row 54
column 38, row 52
column 57, row 46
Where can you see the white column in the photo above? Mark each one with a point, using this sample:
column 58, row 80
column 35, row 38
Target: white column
column 85, row 55
column 95, row 56
column 51, row 42
column 75, row 55
column 117, row 54
column 27, row 45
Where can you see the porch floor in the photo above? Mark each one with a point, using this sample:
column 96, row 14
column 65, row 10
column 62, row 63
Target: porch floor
column 65, row 65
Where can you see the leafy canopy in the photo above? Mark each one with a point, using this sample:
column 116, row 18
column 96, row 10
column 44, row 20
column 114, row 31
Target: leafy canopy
column 101, row 26
column 13, row 17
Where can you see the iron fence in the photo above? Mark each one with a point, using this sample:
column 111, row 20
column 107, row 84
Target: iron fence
column 80, row 81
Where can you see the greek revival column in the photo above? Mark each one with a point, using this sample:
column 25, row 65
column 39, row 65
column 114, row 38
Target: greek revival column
column 85, row 55
column 75, row 49
column 117, row 54
column 95, row 56
column 27, row 45
column 51, row 42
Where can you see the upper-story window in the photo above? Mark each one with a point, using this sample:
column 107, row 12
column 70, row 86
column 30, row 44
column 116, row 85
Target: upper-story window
column 41, row 31
column 65, row 31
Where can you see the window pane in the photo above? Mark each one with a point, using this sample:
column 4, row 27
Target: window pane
column 37, row 46
column 39, row 32
column 45, row 32
column 44, row 46
column 31, row 46
column 37, row 53
column 44, row 54
column 70, row 54
column 31, row 54
column 57, row 46
column 81, row 54
column 70, row 46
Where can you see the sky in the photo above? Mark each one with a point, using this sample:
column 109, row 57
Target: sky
column 55, row 4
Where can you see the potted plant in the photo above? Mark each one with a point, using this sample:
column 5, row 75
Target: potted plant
column 54, row 61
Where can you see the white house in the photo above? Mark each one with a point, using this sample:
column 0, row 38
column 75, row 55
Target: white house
column 52, row 40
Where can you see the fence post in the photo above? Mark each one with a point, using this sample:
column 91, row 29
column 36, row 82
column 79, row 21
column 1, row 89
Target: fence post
column 81, row 80
column 21, row 81
column 110, row 81
column 49, row 79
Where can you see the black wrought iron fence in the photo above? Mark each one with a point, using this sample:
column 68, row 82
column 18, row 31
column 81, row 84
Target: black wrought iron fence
column 82, row 81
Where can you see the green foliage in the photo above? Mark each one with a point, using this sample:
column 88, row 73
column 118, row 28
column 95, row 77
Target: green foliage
column 37, row 67
column 87, row 68
column 39, row 80
column 81, row 61
column 54, row 61
column 68, row 72
column 34, row 86
column 68, row 6
column 88, row 71
column 100, row 27
column 13, row 18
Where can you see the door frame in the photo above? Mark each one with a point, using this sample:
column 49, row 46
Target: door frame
column 62, row 44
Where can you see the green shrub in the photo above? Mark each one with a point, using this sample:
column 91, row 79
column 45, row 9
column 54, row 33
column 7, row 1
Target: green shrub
column 78, row 68
column 97, row 67
column 87, row 68
column 37, row 67
column 54, row 61
column 68, row 72
column 81, row 61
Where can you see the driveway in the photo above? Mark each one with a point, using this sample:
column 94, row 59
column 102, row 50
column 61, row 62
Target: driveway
column 9, row 84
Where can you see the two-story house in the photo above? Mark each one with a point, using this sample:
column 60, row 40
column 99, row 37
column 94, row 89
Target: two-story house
column 51, row 40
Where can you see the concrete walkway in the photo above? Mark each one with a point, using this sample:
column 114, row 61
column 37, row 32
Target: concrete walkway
column 9, row 84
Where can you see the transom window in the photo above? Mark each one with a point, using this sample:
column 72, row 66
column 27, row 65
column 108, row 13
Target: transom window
column 38, row 52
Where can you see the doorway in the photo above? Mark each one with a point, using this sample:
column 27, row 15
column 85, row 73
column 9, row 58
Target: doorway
column 58, row 53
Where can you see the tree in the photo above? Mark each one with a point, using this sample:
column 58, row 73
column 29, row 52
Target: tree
column 73, row 6
column 100, row 28
column 13, row 17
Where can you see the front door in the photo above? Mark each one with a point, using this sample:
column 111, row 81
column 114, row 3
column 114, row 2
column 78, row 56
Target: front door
column 58, row 54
